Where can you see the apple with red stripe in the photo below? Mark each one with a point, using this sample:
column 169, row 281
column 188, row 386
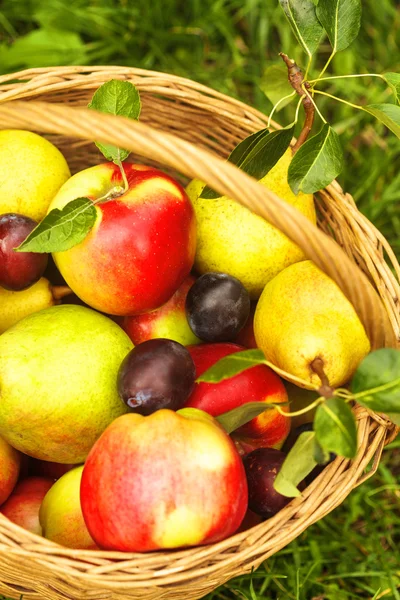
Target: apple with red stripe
column 258, row 384
column 169, row 321
column 22, row 507
column 143, row 242
column 173, row 479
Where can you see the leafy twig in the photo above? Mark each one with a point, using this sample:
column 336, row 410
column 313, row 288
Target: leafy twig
column 296, row 80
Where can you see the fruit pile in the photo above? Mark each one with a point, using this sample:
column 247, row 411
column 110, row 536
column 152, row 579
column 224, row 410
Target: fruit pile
column 112, row 436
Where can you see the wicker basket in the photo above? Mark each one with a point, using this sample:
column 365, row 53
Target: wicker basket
column 188, row 129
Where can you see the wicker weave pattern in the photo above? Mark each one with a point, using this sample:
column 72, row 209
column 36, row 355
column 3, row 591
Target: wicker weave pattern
column 213, row 124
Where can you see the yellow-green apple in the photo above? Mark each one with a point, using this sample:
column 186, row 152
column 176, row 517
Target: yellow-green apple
column 168, row 480
column 32, row 170
column 169, row 321
column 258, row 384
column 142, row 245
column 58, row 381
column 60, row 514
column 22, row 507
column 10, row 465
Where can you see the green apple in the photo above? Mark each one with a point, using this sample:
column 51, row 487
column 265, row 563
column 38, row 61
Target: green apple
column 61, row 516
column 58, row 373
column 32, row 170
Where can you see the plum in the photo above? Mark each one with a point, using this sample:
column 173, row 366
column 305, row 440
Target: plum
column 156, row 374
column 262, row 466
column 18, row 270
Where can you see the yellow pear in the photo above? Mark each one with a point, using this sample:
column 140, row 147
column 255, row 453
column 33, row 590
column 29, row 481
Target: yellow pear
column 32, row 170
column 231, row 239
column 14, row 306
column 303, row 315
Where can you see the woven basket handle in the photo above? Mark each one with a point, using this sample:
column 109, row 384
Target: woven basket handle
column 225, row 178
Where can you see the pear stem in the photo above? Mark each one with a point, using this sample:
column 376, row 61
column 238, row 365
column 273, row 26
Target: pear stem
column 60, row 291
column 326, row 389
column 296, row 80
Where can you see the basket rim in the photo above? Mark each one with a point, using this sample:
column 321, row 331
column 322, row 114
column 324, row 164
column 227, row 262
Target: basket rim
column 375, row 430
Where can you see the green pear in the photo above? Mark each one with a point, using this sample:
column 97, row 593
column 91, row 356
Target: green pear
column 32, row 170
column 302, row 315
column 60, row 513
column 58, row 381
column 231, row 239
column 14, row 306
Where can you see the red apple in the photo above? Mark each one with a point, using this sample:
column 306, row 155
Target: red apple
column 168, row 480
column 142, row 245
column 22, row 507
column 10, row 465
column 258, row 384
column 169, row 321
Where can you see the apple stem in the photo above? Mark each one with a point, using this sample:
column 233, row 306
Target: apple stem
column 60, row 291
column 296, row 80
column 326, row 389
column 124, row 178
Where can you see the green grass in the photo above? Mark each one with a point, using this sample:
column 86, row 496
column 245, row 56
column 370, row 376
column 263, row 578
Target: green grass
column 354, row 553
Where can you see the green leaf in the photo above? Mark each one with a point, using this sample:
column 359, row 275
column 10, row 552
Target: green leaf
column 321, row 456
column 341, row 20
column 335, row 427
column 257, row 154
column 241, row 415
column 297, row 465
column 239, row 153
column 236, row 157
column 62, row 229
column 232, row 365
column 376, row 383
column 302, row 17
column 120, row 98
column 275, row 85
column 393, row 80
column 317, row 162
column 266, row 153
column 388, row 114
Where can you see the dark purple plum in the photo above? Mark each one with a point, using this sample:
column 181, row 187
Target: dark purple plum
column 158, row 373
column 262, row 466
column 217, row 307
column 18, row 270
